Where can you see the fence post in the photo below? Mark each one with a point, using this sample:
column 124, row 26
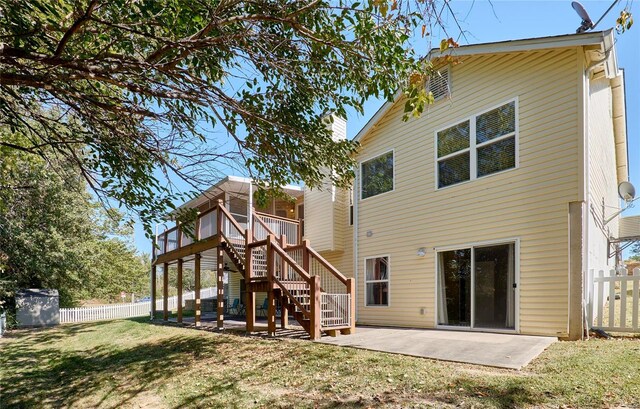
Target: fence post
column 635, row 295
column 351, row 287
column 600, row 297
column 612, row 297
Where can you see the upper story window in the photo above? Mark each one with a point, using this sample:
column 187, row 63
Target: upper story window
column 377, row 175
column 479, row 146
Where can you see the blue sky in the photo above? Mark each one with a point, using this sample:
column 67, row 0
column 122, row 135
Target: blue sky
column 507, row 20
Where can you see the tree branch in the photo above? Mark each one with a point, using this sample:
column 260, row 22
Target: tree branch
column 75, row 27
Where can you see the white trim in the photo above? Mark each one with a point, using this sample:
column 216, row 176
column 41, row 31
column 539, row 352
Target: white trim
column 529, row 44
column 474, row 146
column 360, row 163
column 388, row 281
column 516, row 280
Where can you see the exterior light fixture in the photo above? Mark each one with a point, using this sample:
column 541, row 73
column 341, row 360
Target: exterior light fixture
column 422, row 252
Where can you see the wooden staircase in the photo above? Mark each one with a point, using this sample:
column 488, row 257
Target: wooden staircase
column 284, row 272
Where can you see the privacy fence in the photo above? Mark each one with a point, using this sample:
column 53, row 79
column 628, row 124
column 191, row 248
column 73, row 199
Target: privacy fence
column 130, row 310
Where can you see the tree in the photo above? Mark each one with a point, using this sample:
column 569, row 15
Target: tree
column 635, row 252
column 180, row 86
column 54, row 235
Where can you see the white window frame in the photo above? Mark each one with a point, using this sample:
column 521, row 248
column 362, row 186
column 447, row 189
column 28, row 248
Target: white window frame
column 474, row 146
column 516, row 279
column 361, row 179
column 388, row 281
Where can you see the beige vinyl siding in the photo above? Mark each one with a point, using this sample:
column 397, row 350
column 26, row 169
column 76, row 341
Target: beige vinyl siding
column 234, row 287
column 318, row 212
column 342, row 257
column 602, row 172
column 529, row 203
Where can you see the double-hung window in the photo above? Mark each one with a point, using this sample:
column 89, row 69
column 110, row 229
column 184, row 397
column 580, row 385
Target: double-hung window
column 377, row 281
column 479, row 146
column 377, row 175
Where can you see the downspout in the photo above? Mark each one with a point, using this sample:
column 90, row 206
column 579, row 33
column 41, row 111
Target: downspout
column 356, row 222
column 587, row 180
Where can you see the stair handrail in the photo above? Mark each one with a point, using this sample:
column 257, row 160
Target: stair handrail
column 273, row 216
column 325, row 263
column 262, row 223
column 229, row 216
column 314, row 312
column 276, row 248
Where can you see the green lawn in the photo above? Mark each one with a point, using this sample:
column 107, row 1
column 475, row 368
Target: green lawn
column 131, row 363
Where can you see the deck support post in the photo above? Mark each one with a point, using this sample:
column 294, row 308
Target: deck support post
column 179, row 285
column 250, row 309
column 271, row 301
column 315, row 303
column 577, row 266
column 165, row 292
column 271, row 312
column 284, row 312
column 351, row 287
column 220, row 287
column 196, row 272
column 154, row 275
column 250, row 296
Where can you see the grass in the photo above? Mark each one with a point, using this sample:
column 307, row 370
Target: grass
column 132, row 363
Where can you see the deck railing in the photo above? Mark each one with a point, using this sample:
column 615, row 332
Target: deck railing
column 265, row 224
column 179, row 236
column 233, row 227
column 337, row 290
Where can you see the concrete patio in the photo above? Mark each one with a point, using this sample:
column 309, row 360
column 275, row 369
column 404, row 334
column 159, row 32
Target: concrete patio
column 490, row 349
column 508, row 351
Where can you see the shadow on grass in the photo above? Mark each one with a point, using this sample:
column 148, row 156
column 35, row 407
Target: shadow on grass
column 38, row 374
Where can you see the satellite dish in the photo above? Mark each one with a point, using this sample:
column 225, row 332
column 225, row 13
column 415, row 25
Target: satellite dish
column 626, row 191
column 587, row 24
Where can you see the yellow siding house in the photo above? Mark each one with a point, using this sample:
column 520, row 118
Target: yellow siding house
column 486, row 212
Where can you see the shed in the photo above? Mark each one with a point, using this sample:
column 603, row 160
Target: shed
column 37, row 307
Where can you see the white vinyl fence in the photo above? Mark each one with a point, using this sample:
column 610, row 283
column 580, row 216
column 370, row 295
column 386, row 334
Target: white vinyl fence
column 139, row 309
column 613, row 300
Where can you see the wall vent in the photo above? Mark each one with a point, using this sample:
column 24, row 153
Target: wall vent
column 439, row 84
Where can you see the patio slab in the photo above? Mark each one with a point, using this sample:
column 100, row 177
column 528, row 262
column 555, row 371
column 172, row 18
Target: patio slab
column 481, row 348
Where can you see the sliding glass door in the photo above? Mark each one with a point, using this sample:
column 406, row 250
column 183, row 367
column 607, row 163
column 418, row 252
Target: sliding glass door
column 476, row 287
